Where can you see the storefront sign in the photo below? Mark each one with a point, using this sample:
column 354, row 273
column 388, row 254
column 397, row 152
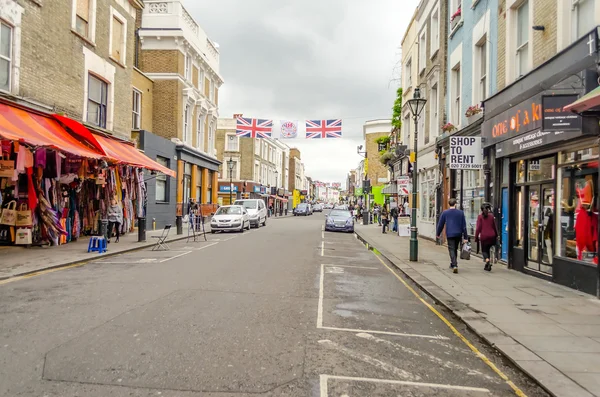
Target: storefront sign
column 227, row 188
column 533, row 140
column 525, row 117
column 403, row 181
column 555, row 118
column 465, row 153
column 256, row 189
column 303, row 192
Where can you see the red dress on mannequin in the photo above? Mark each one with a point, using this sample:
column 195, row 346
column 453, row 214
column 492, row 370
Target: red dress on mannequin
column 586, row 226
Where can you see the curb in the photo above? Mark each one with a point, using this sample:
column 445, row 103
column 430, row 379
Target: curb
column 84, row 261
column 478, row 324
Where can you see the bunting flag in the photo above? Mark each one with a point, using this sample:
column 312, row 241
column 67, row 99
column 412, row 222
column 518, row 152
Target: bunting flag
column 317, row 129
column 289, row 129
column 253, row 128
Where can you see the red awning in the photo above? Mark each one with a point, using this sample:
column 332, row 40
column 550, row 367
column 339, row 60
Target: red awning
column 34, row 129
column 587, row 102
column 79, row 130
column 279, row 198
column 125, row 153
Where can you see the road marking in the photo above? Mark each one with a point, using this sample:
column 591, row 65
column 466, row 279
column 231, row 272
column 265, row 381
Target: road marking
column 397, row 372
column 228, row 238
column 323, row 234
column 177, row 256
column 322, row 248
column 482, row 356
column 353, row 267
column 325, row 378
column 42, row 272
column 320, row 316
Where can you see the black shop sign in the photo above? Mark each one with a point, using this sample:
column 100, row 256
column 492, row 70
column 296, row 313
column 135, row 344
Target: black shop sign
column 533, row 140
column 555, row 118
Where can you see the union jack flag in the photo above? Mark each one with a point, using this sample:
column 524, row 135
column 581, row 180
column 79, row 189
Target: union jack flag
column 253, row 128
column 317, row 129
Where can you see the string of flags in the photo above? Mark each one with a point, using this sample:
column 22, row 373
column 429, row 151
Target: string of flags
column 288, row 129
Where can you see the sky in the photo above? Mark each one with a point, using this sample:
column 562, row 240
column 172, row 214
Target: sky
column 309, row 59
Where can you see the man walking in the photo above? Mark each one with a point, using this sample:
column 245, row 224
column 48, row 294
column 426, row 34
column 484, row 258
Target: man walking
column 456, row 227
column 394, row 213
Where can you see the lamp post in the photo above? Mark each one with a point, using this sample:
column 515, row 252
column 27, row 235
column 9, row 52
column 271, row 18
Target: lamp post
column 230, row 164
column 417, row 104
column 276, row 191
column 367, row 212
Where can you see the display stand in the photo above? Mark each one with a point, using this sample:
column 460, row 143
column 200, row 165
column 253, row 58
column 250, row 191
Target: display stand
column 196, row 222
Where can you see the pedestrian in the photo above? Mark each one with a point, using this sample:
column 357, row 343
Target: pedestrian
column 456, row 227
column 486, row 233
column 376, row 217
column 394, row 213
column 383, row 219
column 115, row 218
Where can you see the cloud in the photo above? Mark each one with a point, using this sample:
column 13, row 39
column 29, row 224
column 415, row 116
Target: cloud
column 310, row 59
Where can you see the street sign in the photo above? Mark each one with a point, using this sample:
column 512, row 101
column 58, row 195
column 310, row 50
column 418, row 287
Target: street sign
column 465, row 153
column 403, row 181
column 403, row 191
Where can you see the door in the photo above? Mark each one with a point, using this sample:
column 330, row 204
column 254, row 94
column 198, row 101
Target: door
column 504, row 224
column 540, row 227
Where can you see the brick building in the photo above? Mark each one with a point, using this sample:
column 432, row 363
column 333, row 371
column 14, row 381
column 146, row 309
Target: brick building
column 376, row 171
column 183, row 63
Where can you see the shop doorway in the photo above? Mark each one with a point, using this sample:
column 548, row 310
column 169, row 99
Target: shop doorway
column 540, row 233
column 504, row 224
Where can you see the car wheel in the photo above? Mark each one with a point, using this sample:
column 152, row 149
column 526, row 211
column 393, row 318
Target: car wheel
column 213, row 231
column 242, row 229
column 248, row 228
column 265, row 221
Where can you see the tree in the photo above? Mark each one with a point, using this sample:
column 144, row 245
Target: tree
column 397, row 111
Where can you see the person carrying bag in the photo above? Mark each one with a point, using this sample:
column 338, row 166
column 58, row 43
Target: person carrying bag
column 486, row 233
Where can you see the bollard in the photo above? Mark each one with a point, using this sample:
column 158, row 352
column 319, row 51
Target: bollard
column 179, row 224
column 153, row 223
column 141, row 230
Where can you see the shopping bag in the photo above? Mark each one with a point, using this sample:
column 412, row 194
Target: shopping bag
column 24, row 216
column 23, row 236
column 465, row 252
column 9, row 214
column 7, row 168
column 7, row 235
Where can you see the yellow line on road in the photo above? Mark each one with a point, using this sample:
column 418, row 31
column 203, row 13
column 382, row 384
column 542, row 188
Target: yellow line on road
column 456, row 332
column 42, row 272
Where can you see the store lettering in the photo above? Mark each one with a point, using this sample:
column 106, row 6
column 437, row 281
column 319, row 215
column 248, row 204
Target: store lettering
column 521, row 119
column 530, row 140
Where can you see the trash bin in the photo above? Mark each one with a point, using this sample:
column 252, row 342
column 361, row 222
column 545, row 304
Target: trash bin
column 103, row 227
column 141, row 229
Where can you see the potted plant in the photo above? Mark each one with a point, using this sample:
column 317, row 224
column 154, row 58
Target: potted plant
column 386, row 157
column 474, row 113
column 448, row 127
column 383, row 143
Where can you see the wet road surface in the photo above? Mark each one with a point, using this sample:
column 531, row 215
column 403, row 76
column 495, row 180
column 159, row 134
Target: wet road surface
column 284, row 310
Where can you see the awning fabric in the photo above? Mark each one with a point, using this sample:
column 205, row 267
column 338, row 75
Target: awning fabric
column 37, row 130
column 389, row 189
column 586, row 102
column 80, row 130
column 127, row 154
column 278, row 198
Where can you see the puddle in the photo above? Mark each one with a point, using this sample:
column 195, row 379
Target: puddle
column 344, row 313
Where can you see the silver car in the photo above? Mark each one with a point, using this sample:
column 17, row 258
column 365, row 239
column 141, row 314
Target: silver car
column 230, row 218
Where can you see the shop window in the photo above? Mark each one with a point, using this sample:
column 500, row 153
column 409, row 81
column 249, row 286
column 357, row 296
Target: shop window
column 519, row 218
column 136, row 113
column 541, row 169
column 472, row 196
column 427, row 200
column 578, row 203
column 97, row 101
column 161, row 195
column 521, row 171
column 6, row 33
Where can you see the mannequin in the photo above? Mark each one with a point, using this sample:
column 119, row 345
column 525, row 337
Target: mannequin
column 586, row 226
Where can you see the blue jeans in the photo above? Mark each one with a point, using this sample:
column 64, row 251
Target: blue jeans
column 395, row 227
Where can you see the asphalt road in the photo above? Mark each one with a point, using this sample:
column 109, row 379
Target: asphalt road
column 284, row 310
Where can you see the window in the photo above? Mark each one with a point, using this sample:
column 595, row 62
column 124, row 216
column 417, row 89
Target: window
column 257, row 143
column 212, row 91
column 472, row 195
column 422, row 52
column 188, row 67
column 118, row 37
column 408, row 74
column 256, row 172
column 5, row 56
column 583, row 17
column 233, row 173
column 233, row 143
column 456, row 88
column 97, row 101
column 434, row 43
column 186, row 124
column 481, row 54
column 522, row 39
column 427, row 191
column 406, row 124
column 136, row 116
column 200, row 78
column 433, row 111
column 161, row 181
column 211, row 139
column 199, row 186
column 82, row 17
column 200, row 131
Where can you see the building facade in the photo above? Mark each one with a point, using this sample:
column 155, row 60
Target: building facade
column 183, row 63
column 377, row 172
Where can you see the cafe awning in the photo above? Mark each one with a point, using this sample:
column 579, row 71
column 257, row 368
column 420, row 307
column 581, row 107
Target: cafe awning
column 34, row 129
column 588, row 101
column 390, row 189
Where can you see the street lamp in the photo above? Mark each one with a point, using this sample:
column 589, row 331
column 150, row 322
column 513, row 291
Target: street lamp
column 230, row 164
column 366, row 212
column 417, row 104
column 276, row 190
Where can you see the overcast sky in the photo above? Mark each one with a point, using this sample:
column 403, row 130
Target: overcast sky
column 309, row 59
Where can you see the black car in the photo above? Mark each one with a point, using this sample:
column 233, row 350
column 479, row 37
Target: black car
column 339, row 220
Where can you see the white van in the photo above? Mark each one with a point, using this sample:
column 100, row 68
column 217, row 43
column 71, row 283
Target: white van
column 257, row 211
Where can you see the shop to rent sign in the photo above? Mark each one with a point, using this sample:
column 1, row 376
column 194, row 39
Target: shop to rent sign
column 465, row 153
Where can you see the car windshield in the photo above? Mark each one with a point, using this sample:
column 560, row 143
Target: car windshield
column 340, row 214
column 247, row 204
column 229, row 211
column 302, row 206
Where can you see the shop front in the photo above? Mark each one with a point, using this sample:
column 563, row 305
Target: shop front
column 544, row 162
column 241, row 190
column 197, row 178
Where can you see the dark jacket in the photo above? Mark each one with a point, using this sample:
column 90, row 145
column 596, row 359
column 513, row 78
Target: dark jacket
column 455, row 223
column 486, row 229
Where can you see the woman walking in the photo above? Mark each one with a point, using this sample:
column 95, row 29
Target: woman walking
column 383, row 218
column 486, row 233
column 115, row 218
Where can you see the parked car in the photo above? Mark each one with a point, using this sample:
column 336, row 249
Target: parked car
column 230, row 218
column 257, row 211
column 339, row 220
column 302, row 209
column 318, row 208
column 328, row 206
column 342, row 207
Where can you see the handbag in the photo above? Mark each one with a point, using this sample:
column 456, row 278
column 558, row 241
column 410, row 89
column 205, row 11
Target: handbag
column 24, row 216
column 9, row 214
column 465, row 252
column 7, row 168
column 23, row 236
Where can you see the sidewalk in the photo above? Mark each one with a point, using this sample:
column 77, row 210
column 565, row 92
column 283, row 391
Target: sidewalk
column 549, row 331
column 18, row 261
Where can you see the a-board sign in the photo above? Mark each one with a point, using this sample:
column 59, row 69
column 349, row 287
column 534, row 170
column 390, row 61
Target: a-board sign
column 465, row 153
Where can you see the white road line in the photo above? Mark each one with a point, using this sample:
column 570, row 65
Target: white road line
column 353, row 267
column 176, row 256
column 325, row 378
column 323, row 234
column 229, row 238
column 397, row 372
column 320, row 308
column 322, row 248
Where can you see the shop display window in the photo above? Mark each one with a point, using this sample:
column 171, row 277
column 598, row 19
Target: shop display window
column 472, row 197
column 521, row 171
column 519, row 218
column 577, row 231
